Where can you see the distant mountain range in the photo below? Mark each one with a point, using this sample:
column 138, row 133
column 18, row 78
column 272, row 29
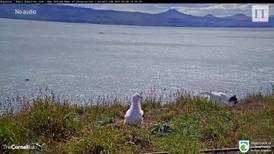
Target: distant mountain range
column 62, row 13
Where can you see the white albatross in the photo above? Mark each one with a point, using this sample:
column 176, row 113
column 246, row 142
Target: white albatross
column 220, row 97
column 134, row 115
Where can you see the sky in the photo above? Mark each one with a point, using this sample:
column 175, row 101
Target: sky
column 193, row 9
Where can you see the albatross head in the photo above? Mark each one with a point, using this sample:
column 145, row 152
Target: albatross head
column 233, row 99
column 136, row 98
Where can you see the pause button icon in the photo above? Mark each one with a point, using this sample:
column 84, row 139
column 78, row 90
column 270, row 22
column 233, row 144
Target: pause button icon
column 260, row 13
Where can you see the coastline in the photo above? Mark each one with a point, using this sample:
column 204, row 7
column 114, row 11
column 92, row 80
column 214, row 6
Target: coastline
column 147, row 26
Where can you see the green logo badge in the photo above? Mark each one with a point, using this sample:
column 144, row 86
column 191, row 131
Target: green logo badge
column 244, row 146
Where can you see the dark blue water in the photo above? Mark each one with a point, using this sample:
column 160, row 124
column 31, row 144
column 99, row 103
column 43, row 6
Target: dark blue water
column 76, row 59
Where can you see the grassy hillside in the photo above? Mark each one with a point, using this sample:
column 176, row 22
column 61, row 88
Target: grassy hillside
column 185, row 125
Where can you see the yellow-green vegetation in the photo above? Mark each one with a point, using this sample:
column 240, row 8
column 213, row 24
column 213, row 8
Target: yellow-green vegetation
column 184, row 125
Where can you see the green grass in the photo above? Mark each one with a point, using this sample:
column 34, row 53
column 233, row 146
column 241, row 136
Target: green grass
column 184, row 125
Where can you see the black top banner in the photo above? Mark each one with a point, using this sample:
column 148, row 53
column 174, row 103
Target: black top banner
column 128, row 1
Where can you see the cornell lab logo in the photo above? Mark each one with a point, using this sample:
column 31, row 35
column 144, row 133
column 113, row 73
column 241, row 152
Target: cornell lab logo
column 260, row 13
column 244, row 146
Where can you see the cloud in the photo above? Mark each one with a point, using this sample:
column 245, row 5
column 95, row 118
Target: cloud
column 147, row 8
column 218, row 9
column 193, row 9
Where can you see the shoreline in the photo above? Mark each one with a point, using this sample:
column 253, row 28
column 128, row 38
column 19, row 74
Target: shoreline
column 153, row 94
column 151, row 26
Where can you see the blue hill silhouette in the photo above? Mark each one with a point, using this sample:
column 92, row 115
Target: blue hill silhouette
column 62, row 13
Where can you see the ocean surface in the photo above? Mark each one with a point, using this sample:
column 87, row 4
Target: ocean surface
column 75, row 59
